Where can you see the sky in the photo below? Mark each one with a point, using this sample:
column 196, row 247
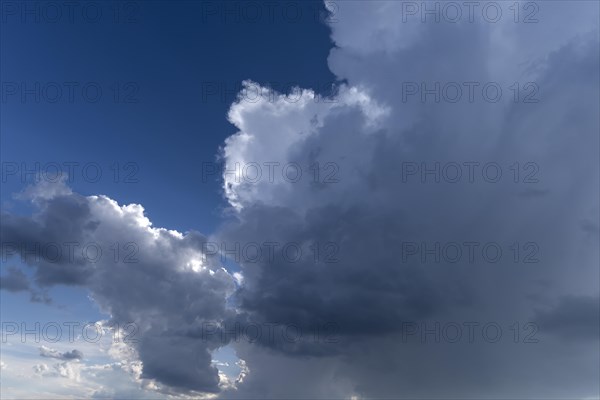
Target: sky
column 300, row 199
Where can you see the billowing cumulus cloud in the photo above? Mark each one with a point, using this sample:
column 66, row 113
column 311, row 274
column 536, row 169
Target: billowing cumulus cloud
column 155, row 284
column 455, row 201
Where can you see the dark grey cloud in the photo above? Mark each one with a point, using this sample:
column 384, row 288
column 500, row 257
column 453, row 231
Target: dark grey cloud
column 159, row 286
column 14, row 280
column 44, row 240
column 590, row 227
column 372, row 134
column 573, row 318
column 66, row 356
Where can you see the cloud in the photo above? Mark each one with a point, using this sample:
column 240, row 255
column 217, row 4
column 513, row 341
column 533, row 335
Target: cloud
column 68, row 355
column 40, row 368
column 60, row 370
column 573, row 318
column 154, row 283
column 386, row 184
column 402, row 167
column 26, row 378
column 14, row 281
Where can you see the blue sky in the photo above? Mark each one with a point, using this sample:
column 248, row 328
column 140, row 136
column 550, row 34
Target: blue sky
column 177, row 121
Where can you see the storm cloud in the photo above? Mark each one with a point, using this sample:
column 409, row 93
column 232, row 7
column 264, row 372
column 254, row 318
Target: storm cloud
column 434, row 212
column 429, row 178
column 154, row 282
